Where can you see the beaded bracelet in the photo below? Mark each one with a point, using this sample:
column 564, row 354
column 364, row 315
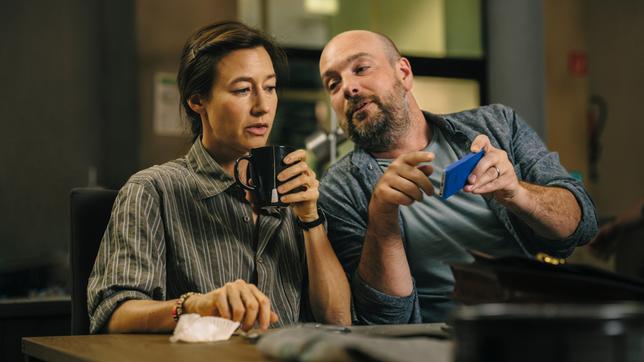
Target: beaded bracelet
column 177, row 309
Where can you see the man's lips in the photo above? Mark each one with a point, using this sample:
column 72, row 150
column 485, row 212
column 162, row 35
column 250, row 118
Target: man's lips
column 360, row 106
column 257, row 129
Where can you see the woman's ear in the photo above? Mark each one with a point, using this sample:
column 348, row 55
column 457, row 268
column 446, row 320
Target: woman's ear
column 195, row 104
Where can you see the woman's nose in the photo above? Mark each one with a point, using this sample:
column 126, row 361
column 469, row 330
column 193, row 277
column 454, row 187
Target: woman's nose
column 261, row 104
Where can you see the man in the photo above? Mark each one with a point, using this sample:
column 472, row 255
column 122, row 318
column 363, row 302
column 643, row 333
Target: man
column 391, row 236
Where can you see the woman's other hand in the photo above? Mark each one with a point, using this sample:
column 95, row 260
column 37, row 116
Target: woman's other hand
column 298, row 174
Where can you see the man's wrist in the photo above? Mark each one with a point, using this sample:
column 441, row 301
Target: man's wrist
column 383, row 226
column 519, row 201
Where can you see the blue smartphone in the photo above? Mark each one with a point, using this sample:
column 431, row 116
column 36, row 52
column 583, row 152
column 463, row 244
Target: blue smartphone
column 455, row 175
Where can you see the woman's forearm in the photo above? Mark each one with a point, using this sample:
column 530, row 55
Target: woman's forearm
column 329, row 293
column 139, row 316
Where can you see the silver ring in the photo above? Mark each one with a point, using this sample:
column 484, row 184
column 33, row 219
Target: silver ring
column 498, row 172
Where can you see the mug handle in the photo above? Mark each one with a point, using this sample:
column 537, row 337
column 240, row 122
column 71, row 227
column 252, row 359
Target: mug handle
column 243, row 185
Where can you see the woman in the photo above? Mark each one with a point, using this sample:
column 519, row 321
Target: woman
column 183, row 238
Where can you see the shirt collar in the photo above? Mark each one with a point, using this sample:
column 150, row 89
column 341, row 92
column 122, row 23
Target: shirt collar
column 210, row 176
column 448, row 126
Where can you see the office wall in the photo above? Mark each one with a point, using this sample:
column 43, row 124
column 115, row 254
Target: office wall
column 162, row 27
column 72, row 84
column 529, row 44
column 616, row 60
column 50, row 109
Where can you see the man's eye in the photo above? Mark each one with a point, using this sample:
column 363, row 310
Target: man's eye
column 362, row 68
column 332, row 85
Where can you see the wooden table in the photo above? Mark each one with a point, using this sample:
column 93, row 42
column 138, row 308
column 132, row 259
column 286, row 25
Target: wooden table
column 157, row 347
column 135, row 347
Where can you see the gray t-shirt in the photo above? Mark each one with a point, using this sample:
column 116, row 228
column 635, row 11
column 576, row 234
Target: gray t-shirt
column 439, row 231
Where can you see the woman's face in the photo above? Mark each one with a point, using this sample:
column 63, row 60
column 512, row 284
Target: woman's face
column 238, row 114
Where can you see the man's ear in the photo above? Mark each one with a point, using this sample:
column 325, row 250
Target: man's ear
column 195, row 104
column 404, row 71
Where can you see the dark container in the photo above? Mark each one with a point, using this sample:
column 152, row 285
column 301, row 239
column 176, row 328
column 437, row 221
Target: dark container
column 549, row 332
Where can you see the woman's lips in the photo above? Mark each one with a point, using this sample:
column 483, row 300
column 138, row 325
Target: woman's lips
column 257, row 129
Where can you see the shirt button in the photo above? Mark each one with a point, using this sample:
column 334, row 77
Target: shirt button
column 370, row 167
column 246, row 219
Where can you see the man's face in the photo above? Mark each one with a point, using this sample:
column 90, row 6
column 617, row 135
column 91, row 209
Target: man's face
column 366, row 91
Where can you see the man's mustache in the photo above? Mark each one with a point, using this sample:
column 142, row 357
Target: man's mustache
column 356, row 102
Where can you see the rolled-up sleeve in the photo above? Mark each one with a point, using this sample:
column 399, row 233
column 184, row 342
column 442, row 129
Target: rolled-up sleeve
column 539, row 166
column 372, row 306
column 345, row 202
column 131, row 259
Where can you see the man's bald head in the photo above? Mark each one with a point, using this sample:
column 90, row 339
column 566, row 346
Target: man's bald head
column 369, row 85
column 367, row 38
column 390, row 48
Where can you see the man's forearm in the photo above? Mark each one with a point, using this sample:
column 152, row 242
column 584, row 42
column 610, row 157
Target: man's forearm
column 383, row 263
column 552, row 212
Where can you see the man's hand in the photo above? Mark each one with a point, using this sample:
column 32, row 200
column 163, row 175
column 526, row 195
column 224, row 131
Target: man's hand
column 238, row 301
column 552, row 212
column 494, row 174
column 402, row 183
column 383, row 263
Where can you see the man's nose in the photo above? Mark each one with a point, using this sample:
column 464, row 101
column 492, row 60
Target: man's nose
column 351, row 88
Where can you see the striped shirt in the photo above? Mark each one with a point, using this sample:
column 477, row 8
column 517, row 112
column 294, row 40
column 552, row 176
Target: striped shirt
column 184, row 226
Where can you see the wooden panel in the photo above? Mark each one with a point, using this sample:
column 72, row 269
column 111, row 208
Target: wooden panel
column 130, row 347
column 616, row 33
column 566, row 94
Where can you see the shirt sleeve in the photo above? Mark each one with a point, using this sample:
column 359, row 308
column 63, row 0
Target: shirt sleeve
column 131, row 259
column 345, row 206
column 539, row 166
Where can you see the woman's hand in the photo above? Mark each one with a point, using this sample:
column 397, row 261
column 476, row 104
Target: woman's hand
column 238, row 301
column 304, row 202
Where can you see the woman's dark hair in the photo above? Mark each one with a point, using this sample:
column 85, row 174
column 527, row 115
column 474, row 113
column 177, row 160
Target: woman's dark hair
column 203, row 51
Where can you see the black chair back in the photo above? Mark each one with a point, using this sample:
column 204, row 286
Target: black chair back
column 90, row 213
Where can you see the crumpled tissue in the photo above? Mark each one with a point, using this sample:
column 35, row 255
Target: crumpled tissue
column 195, row 328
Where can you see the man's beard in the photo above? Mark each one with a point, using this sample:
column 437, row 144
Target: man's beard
column 386, row 126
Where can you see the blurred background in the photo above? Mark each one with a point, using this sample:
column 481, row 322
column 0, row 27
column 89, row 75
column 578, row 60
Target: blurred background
column 88, row 94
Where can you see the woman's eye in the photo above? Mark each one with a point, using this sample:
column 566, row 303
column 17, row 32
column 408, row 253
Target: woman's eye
column 242, row 91
column 270, row 88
